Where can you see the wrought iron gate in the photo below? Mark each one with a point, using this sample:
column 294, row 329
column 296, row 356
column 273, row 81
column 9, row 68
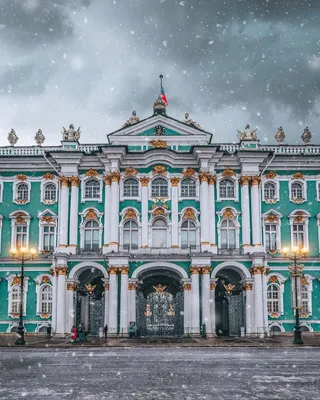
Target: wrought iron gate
column 236, row 314
column 95, row 313
column 160, row 314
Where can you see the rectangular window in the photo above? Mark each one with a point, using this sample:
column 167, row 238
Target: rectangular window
column 21, row 236
column 48, row 238
column 298, row 235
column 271, row 237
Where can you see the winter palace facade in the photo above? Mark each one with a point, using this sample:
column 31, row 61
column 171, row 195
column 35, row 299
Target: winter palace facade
column 159, row 231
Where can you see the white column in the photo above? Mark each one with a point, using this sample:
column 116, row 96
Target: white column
column 265, row 300
column 212, row 215
column 206, row 315
column 107, row 205
column 124, row 301
column 54, row 280
column 144, row 211
column 64, row 212
column 70, row 317
column 174, row 213
column 245, row 209
column 61, row 297
column 187, row 308
column 195, row 303
column 132, row 286
column 258, row 301
column 106, row 303
column 249, row 306
column 114, row 217
column 204, row 211
column 113, row 301
column 213, row 285
column 255, row 211
column 74, row 226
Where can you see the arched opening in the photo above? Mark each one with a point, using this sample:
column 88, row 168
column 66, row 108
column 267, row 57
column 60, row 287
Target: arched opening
column 230, row 304
column 159, row 307
column 90, row 301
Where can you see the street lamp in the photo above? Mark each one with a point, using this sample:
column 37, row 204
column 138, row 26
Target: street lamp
column 22, row 254
column 295, row 272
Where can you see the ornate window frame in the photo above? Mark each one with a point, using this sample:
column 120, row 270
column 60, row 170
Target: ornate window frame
column 302, row 217
column 277, row 324
column 42, row 281
column 231, row 175
column 277, row 279
column 45, row 182
column 90, row 214
column 197, row 196
column 19, row 217
column 304, row 191
column 232, row 214
column 15, row 280
column 130, row 214
column 307, row 281
column 1, row 190
column 122, row 180
column 157, row 176
column 46, row 218
column 84, row 179
column 160, row 213
column 190, row 214
column 272, row 217
column 318, row 188
column 21, row 179
column 276, row 183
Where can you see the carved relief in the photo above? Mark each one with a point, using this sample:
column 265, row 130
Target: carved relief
column 248, row 286
column 189, row 214
column 145, row 181
column 212, row 179
column 228, row 172
column 255, row 180
column 71, row 133
column 132, row 120
column 187, row 286
column 48, row 176
column 271, row 218
column 270, row 175
column 75, row 181
column 64, row 181
column 115, row 176
column 159, row 144
column 91, row 173
column 21, row 177
column 91, row 214
column 299, row 217
column 107, row 180
column 297, row 175
column 188, row 172
column 130, row 214
column 130, row 171
column 174, row 181
column 160, row 211
column 16, row 280
column 245, row 180
column 159, row 169
column 273, row 279
column 48, row 219
column 204, row 176
column 228, row 213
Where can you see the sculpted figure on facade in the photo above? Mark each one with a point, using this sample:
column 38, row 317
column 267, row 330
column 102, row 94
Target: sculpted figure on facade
column 247, row 134
column 306, row 136
column 12, row 137
column 71, row 133
column 280, row 135
column 132, row 120
column 39, row 138
column 189, row 121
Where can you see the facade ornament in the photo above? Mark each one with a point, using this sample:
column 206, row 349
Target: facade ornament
column 229, row 288
column 306, row 136
column 130, row 171
column 16, row 280
column 21, row 177
column 47, row 219
column 245, row 180
column 190, row 122
column 148, row 312
column 144, row 181
column 228, row 173
column 273, row 279
column 90, row 288
column 270, row 175
column 159, row 288
column 12, row 137
column 159, row 106
column 91, row 214
column 171, row 312
column 257, row 270
column 61, row 270
column 132, row 120
column 213, row 285
column 298, row 175
column 248, row 286
column 212, row 179
column 91, row 173
column 280, row 135
column 160, row 211
column 130, row 214
column 247, row 134
column 45, row 316
column 189, row 214
column 228, row 213
column 48, row 176
column 272, row 218
column 20, row 218
column 159, row 130
column 255, row 180
column 174, row 181
column 188, row 172
column 195, row 270
column 64, row 181
column 115, row 176
column 206, row 270
column 45, row 279
column 299, row 218
column 72, row 286
column 112, row 270
column 159, row 144
column 75, row 181
column 106, row 286
column 187, row 286
column 132, row 286
column 107, row 180
column 304, row 281
column 159, row 202
column 274, row 315
column 204, row 177
column 159, row 169
column 71, row 134
column 39, row 138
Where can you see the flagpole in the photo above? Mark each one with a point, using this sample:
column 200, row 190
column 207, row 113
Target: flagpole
column 161, row 77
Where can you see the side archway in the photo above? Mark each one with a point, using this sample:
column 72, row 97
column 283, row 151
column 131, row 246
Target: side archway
column 158, row 266
column 233, row 265
column 79, row 268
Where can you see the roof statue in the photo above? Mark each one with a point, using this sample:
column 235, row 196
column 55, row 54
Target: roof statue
column 39, row 138
column 280, row 135
column 71, row 133
column 132, row 120
column 12, row 137
column 247, row 134
column 306, row 136
column 190, row 122
column 159, row 106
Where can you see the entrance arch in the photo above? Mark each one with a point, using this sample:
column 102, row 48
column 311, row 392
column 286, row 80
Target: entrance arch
column 159, row 300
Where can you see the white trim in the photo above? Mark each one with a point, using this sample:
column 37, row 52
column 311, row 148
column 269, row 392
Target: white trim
column 281, row 293
column 318, row 188
column 136, row 220
column 15, row 185
column 307, row 325
column 234, row 220
column 158, row 266
column 278, row 324
column 39, row 286
column 196, row 222
column 278, row 227
column 234, row 265
column 122, row 180
column 13, row 217
column 318, row 225
column 77, row 269
column 42, row 224
column 197, row 196
column 1, row 189
column 150, row 227
column 42, row 190
column 166, row 178
column 306, row 216
column 271, row 201
column 1, row 223
column 83, row 180
column 235, row 180
column 310, row 291
column 304, row 190
column 25, row 291
column 84, row 221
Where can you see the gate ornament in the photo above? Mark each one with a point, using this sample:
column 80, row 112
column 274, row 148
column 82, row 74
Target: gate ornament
column 229, row 287
column 90, row 288
column 159, row 288
column 171, row 311
column 148, row 311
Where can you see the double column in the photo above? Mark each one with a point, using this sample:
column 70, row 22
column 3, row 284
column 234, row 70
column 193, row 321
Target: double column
column 132, row 287
column 113, row 301
column 144, row 211
column 74, row 226
column 124, row 271
column 245, row 209
column 187, row 312
column 212, row 214
column 63, row 212
column 247, row 287
column 255, row 211
column 107, row 205
column 71, row 306
column 60, row 273
column 204, row 210
column 213, row 285
column 174, row 212
column 205, row 286
column 257, row 272
column 114, row 217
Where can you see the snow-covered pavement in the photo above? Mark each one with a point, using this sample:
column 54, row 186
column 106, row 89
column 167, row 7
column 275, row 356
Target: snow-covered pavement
column 160, row 373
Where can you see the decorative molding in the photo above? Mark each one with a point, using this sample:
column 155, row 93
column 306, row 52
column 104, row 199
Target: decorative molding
column 107, row 180
column 144, row 181
column 255, row 180
column 187, row 286
column 298, row 175
column 159, row 169
column 174, row 181
column 204, row 176
column 22, row 177
column 91, row 173
column 48, row 176
column 270, row 175
column 64, row 181
column 245, row 180
column 115, row 176
column 189, row 214
column 228, row 213
column 188, row 172
column 130, row 171
column 159, row 144
column 130, row 214
column 74, row 181
column 195, row 270
column 91, row 214
column 212, row 179
column 228, row 173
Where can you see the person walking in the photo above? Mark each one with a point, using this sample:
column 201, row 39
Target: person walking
column 81, row 334
column 49, row 331
column 74, row 334
column 105, row 329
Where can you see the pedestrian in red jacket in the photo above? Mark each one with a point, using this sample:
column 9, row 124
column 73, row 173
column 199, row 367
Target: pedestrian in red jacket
column 74, row 334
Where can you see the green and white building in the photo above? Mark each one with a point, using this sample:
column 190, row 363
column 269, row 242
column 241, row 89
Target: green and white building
column 159, row 227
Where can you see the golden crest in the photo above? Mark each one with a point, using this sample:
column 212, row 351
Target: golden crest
column 159, row 169
column 270, row 175
column 64, row 181
column 91, row 172
column 107, row 180
column 91, row 214
column 204, row 176
column 160, row 211
column 274, row 315
column 228, row 213
column 48, row 176
column 47, row 218
column 130, row 171
column 144, row 181
column 16, row 281
column 130, row 213
column 228, row 172
column 212, row 179
column 44, row 315
column 297, row 175
column 255, row 180
column 115, row 176
column 171, row 312
column 90, row 288
column 245, row 180
column 304, row 281
column 248, row 286
column 159, row 288
column 272, row 218
column 188, row 172
column 148, row 311
column 45, row 279
column 229, row 288
column 213, row 285
column 159, row 144
column 106, row 286
column 18, row 201
column 72, row 286
column 75, row 181
column 189, row 214
column 174, row 181
column 273, row 279
column 15, row 315
column 187, row 286
column 299, row 217
column 304, row 315
column 21, row 177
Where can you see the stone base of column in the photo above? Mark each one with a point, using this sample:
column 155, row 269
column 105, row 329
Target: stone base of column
column 105, row 249
column 213, row 248
column 72, row 249
column 113, row 246
column 253, row 249
column 205, row 246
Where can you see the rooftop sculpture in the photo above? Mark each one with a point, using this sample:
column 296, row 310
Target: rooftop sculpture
column 71, row 133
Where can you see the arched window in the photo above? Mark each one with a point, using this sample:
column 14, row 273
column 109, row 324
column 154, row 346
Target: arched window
column 91, row 236
column 188, row 234
column 159, row 188
column 130, row 188
column 298, row 234
column 130, row 235
column 305, row 299
column 50, row 192
column 226, row 189
column 15, row 299
column 159, row 233
column 46, row 299
column 228, row 234
column 22, row 191
column 92, row 189
column 21, row 236
column 273, row 299
column 297, row 190
column 188, row 188
column 269, row 191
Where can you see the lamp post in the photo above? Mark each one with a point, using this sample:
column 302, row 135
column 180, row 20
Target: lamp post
column 22, row 254
column 295, row 271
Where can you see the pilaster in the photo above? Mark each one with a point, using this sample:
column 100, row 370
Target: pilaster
column 206, row 314
column 212, row 215
column 124, row 271
column 204, row 210
column 63, row 214
column 107, row 206
column 213, row 285
column 114, row 218
column 74, row 226
column 144, row 211
column 256, row 213
column 245, row 210
column 174, row 212
column 247, row 287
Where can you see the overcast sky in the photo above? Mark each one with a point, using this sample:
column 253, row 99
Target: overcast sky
column 226, row 62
